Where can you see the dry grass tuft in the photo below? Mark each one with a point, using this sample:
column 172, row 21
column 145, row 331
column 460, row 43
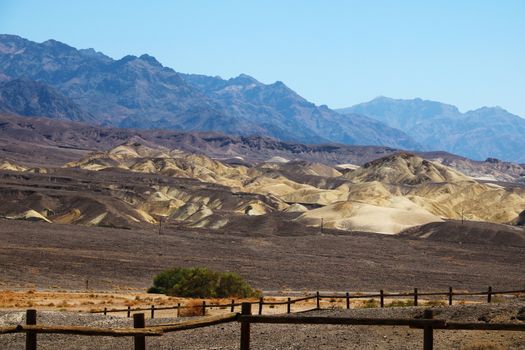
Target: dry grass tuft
column 436, row 303
column 191, row 308
column 401, row 303
column 370, row 303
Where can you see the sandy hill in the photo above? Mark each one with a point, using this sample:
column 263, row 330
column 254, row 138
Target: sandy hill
column 138, row 182
column 51, row 142
column 405, row 168
column 394, row 217
column 469, row 232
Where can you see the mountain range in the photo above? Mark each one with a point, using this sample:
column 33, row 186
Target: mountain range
column 478, row 134
column 139, row 92
column 37, row 142
column 55, row 80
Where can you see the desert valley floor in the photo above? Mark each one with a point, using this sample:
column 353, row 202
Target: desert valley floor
column 42, row 255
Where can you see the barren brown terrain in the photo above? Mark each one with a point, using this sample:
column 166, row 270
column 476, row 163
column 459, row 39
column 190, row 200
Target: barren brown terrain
column 42, row 255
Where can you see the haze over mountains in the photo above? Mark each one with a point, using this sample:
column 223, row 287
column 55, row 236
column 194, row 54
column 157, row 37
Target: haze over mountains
column 478, row 134
column 55, row 80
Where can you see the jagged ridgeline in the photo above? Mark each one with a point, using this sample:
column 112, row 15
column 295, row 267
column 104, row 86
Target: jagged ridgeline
column 140, row 183
column 139, row 92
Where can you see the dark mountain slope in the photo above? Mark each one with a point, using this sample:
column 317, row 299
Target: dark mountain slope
column 30, row 98
column 139, row 92
column 290, row 117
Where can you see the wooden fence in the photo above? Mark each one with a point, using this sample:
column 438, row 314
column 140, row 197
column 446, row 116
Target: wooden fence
column 427, row 324
column 139, row 331
column 347, row 296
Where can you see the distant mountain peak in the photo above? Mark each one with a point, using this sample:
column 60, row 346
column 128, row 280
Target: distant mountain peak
column 477, row 134
column 138, row 92
column 90, row 52
column 151, row 60
column 489, row 109
column 381, row 98
column 127, row 58
column 12, row 38
column 55, row 44
column 244, row 79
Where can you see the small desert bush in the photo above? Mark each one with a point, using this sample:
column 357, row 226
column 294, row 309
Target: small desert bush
column 200, row 282
column 370, row 303
column 191, row 308
column 496, row 299
column 401, row 303
column 436, row 303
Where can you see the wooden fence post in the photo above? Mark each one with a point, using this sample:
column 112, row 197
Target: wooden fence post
column 428, row 332
column 449, row 295
column 289, row 305
column 246, row 309
column 415, row 296
column 129, row 311
column 152, row 311
column 30, row 336
column 178, row 309
column 232, row 309
column 260, row 305
column 318, row 298
column 347, row 300
column 382, row 298
column 489, row 295
column 203, row 308
column 140, row 340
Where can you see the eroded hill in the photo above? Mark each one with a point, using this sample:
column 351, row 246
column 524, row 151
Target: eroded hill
column 141, row 183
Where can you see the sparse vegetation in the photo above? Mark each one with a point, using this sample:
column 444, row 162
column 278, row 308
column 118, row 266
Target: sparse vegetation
column 201, row 282
column 192, row 308
column 497, row 299
column 436, row 303
column 370, row 303
column 401, row 303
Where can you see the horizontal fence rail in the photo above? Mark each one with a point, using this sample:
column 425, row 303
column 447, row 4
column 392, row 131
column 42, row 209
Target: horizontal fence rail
column 139, row 331
column 427, row 324
column 381, row 296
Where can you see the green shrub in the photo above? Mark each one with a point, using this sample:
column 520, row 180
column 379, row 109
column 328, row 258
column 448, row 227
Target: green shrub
column 200, row 282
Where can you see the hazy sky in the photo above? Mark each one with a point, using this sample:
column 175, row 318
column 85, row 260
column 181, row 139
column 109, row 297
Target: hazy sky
column 467, row 53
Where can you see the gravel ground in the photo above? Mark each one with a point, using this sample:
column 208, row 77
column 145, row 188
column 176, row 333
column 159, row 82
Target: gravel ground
column 43, row 256
column 271, row 337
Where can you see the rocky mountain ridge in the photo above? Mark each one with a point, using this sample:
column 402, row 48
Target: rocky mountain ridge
column 139, row 92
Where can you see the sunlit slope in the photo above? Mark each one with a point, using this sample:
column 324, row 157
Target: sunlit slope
column 387, row 195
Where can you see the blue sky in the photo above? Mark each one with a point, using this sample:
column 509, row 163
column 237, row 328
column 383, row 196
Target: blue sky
column 467, row 53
